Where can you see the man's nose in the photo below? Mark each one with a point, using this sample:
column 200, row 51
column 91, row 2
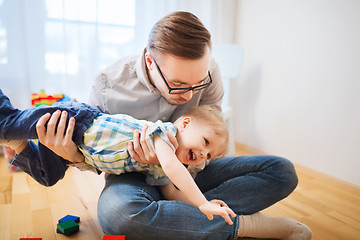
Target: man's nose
column 187, row 96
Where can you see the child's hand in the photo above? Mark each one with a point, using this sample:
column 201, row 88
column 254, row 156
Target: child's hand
column 217, row 207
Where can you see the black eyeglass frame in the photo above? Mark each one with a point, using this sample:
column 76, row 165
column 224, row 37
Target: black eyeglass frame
column 183, row 90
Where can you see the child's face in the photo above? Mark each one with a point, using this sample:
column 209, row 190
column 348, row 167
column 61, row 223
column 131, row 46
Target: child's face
column 197, row 142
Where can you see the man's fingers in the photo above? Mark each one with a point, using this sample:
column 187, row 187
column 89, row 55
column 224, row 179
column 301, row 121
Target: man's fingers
column 137, row 145
column 173, row 140
column 151, row 152
column 51, row 126
column 133, row 153
column 40, row 126
column 62, row 123
column 143, row 141
column 69, row 130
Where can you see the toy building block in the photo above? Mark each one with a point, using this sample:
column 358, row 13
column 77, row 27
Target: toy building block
column 43, row 99
column 68, row 227
column 66, row 234
column 114, row 237
column 70, row 217
column 30, row 239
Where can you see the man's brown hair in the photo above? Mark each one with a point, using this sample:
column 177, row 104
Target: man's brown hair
column 180, row 34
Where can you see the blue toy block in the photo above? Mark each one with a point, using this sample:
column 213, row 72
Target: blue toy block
column 70, row 217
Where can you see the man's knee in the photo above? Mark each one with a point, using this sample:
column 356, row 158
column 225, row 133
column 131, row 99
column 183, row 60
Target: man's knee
column 287, row 175
column 122, row 200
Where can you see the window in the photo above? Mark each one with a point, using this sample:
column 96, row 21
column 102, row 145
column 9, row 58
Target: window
column 3, row 38
column 84, row 36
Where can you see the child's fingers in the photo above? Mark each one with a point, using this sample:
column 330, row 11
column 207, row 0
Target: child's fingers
column 220, row 202
column 228, row 219
column 231, row 212
column 225, row 214
column 210, row 216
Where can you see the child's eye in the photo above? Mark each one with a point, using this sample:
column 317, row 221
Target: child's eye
column 209, row 156
column 206, row 141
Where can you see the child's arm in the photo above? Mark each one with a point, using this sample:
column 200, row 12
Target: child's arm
column 180, row 176
column 170, row 192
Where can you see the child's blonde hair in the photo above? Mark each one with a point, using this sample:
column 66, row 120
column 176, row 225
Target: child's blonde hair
column 209, row 116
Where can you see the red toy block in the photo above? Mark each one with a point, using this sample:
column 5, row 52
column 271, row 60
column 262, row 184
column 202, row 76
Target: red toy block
column 114, row 237
column 30, row 239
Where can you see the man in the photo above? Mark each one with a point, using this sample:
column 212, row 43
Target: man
column 174, row 73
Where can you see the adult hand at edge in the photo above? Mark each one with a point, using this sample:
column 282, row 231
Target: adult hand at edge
column 57, row 139
column 141, row 149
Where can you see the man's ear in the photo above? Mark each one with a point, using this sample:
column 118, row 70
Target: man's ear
column 149, row 61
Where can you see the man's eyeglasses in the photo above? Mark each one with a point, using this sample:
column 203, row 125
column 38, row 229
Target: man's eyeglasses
column 207, row 83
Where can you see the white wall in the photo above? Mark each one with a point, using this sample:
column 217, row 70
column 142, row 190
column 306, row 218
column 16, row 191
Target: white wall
column 298, row 95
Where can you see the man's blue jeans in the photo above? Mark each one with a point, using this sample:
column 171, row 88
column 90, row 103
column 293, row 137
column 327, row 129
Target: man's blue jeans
column 248, row 184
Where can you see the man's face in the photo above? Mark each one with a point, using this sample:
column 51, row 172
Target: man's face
column 197, row 142
column 178, row 73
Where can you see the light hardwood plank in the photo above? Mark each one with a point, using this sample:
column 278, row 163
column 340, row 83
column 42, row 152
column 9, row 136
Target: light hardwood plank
column 329, row 206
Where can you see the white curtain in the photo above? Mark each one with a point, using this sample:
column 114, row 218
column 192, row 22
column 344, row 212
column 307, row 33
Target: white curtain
column 60, row 45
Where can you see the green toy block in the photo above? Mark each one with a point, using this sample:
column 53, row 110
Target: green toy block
column 68, row 227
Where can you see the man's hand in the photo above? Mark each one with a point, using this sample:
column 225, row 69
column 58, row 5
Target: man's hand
column 56, row 139
column 217, row 207
column 142, row 151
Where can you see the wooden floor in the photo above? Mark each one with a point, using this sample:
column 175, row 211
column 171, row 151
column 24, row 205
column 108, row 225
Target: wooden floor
column 330, row 207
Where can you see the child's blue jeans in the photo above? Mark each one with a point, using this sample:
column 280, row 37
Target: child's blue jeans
column 39, row 161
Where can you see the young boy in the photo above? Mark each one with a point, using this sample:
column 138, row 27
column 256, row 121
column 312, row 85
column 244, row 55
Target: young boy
column 102, row 138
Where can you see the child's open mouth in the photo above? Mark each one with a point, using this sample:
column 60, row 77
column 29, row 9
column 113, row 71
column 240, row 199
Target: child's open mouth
column 192, row 156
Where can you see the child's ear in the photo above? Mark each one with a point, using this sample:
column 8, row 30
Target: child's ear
column 186, row 121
